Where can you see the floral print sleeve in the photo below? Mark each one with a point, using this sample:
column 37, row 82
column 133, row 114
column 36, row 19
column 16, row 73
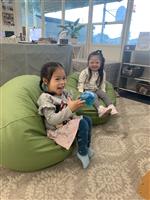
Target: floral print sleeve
column 47, row 108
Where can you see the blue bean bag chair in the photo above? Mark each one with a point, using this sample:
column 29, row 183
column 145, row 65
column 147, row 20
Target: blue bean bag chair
column 24, row 145
column 72, row 82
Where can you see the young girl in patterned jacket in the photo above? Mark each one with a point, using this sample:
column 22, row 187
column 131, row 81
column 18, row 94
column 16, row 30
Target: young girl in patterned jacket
column 93, row 79
column 57, row 107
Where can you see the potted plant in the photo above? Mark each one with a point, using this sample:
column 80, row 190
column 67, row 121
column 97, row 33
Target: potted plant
column 72, row 29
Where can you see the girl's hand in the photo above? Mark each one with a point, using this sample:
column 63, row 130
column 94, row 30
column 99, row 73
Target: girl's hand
column 75, row 104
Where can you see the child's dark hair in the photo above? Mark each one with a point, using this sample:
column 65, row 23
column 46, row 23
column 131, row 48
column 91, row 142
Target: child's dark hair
column 47, row 71
column 101, row 69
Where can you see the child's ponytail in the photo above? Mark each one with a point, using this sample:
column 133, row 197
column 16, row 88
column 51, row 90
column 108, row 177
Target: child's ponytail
column 40, row 84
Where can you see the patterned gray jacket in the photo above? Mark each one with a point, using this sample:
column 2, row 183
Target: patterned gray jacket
column 48, row 107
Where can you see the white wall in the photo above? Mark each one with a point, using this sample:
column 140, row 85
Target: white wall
column 110, row 52
column 17, row 29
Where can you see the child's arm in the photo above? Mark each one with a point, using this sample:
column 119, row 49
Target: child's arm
column 48, row 110
column 81, row 81
column 63, row 115
column 75, row 105
column 53, row 118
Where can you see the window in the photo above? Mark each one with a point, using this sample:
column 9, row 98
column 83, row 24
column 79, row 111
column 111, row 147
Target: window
column 139, row 21
column 107, row 18
column 53, row 15
column 111, row 34
column 108, row 21
column 30, row 12
column 71, row 15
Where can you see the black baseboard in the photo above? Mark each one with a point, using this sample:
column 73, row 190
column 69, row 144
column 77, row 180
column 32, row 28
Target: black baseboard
column 134, row 96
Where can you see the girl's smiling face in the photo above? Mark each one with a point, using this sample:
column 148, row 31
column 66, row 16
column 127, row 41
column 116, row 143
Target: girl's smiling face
column 57, row 82
column 94, row 63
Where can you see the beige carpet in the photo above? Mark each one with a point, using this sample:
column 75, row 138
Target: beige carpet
column 122, row 157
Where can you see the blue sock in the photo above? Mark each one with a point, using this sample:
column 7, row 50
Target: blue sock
column 84, row 159
column 90, row 152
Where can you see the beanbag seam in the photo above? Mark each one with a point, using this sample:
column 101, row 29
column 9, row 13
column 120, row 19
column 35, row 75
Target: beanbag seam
column 18, row 120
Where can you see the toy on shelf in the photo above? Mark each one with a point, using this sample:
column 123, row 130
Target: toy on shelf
column 89, row 97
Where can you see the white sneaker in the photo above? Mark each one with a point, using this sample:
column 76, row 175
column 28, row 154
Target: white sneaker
column 103, row 112
column 84, row 160
column 113, row 109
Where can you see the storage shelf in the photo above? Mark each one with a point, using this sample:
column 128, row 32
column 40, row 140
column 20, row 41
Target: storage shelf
column 134, row 64
column 128, row 90
column 142, row 79
column 138, row 79
column 134, row 84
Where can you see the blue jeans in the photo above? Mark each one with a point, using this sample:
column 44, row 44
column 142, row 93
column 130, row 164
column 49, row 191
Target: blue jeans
column 84, row 135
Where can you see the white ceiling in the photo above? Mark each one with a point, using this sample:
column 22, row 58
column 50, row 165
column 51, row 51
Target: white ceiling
column 55, row 5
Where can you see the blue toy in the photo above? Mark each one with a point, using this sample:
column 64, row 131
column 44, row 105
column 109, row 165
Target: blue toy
column 89, row 97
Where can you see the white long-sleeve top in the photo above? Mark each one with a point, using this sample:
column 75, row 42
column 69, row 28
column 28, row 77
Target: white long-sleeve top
column 85, row 84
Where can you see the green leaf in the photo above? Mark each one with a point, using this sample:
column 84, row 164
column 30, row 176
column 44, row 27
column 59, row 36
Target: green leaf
column 73, row 28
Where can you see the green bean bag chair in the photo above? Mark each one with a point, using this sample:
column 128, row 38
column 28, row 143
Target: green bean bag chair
column 24, row 145
column 72, row 82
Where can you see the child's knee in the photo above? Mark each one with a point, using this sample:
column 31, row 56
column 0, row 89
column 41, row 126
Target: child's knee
column 84, row 124
column 88, row 120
